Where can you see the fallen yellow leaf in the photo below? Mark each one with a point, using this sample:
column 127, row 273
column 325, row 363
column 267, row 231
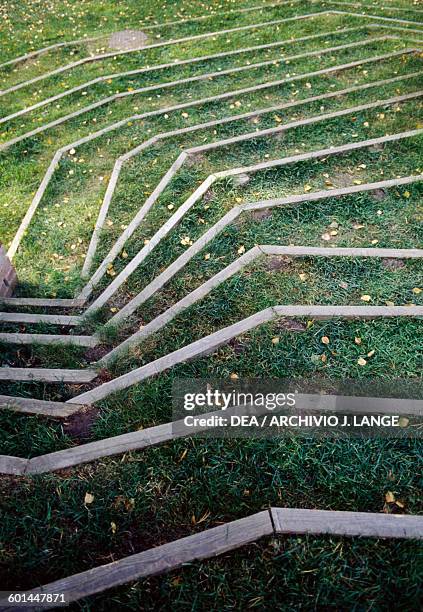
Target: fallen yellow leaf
column 89, row 498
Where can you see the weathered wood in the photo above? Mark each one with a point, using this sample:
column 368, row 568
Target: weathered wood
column 159, row 434
column 43, row 50
column 164, row 182
column 102, row 56
column 147, row 248
column 162, row 111
column 223, row 538
column 213, row 341
column 193, row 250
column 292, row 251
column 58, row 155
column 349, row 312
column 48, row 375
column 15, row 466
column 119, row 75
column 195, row 349
column 166, row 557
column 35, row 406
column 41, row 302
column 307, row 251
column 11, row 338
column 366, row 524
column 392, row 8
column 108, row 447
column 21, row 317
column 8, row 278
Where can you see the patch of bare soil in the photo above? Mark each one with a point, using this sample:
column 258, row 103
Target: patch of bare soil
column 278, row 263
column 262, row 214
column 79, row 425
column 292, row 325
column 378, row 194
column 127, row 40
column 95, row 353
column 393, row 264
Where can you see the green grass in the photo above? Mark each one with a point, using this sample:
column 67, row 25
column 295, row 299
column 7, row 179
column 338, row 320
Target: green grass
column 160, row 494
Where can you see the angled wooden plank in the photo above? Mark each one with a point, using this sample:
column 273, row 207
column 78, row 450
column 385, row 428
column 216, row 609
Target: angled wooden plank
column 213, row 341
column 48, row 375
column 307, row 251
column 196, row 349
column 349, row 312
column 201, row 242
column 11, row 338
column 35, row 406
column 58, row 155
column 140, row 215
column 14, row 466
column 108, row 447
column 43, row 50
column 204, row 289
column 164, row 230
column 366, row 524
column 162, row 111
column 119, row 75
column 223, row 538
column 203, row 545
column 21, row 317
column 159, row 434
column 41, row 302
column 100, row 57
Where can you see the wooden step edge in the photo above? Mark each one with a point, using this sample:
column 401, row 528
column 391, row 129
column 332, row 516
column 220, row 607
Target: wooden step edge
column 42, row 302
column 48, row 375
column 16, row 338
column 36, row 406
column 226, row 537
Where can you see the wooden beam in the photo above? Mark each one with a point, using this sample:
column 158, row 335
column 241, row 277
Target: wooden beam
column 20, row 317
column 168, row 432
column 41, row 302
column 202, row 58
column 159, row 281
column 11, row 338
column 112, row 54
column 35, row 406
column 213, row 341
column 48, row 375
column 226, row 537
column 366, row 524
column 13, row 466
column 166, row 557
column 164, row 182
column 60, row 152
